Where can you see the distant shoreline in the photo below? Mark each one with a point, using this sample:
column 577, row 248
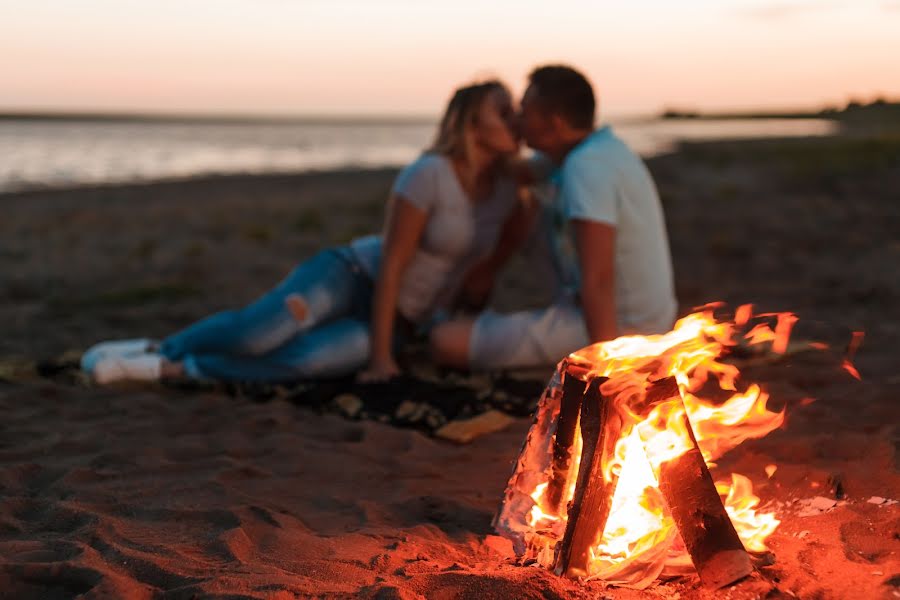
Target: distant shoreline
column 676, row 114
column 878, row 111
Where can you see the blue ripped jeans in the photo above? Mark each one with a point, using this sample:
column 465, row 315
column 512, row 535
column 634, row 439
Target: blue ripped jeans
column 265, row 342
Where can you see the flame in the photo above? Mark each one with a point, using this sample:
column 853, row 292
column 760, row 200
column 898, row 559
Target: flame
column 760, row 334
column 665, row 434
column 536, row 515
column 638, row 519
column 640, row 537
column 855, row 342
column 740, row 504
column 848, row 366
column 743, row 416
column 783, row 332
column 742, row 314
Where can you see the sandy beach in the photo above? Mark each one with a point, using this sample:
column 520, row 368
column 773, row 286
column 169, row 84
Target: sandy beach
column 154, row 492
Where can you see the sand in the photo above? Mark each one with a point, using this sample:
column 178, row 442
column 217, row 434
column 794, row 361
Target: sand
column 151, row 492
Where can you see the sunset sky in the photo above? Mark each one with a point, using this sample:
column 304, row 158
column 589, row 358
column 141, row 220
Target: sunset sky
column 295, row 57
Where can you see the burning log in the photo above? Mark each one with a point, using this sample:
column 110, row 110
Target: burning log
column 601, row 426
column 691, row 496
column 573, row 389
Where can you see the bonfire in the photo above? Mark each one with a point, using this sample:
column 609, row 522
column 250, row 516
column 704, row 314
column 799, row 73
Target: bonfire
column 613, row 481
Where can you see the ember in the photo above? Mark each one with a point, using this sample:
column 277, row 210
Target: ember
column 613, row 480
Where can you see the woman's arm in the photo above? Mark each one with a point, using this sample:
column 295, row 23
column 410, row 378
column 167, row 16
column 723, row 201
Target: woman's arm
column 479, row 280
column 406, row 223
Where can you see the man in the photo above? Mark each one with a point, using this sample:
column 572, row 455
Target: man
column 606, row 233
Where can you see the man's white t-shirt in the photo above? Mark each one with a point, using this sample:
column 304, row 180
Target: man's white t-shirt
column 602, row 180
column 457, row 234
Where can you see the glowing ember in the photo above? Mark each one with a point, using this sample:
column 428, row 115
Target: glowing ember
column 640, row 539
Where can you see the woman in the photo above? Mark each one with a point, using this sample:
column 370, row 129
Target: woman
column 349, row 307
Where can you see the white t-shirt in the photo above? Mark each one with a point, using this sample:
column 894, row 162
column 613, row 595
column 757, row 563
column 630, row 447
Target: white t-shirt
column 457, row 234
column 602, row 180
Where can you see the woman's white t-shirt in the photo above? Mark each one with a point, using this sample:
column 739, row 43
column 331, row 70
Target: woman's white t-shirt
column 457, row 234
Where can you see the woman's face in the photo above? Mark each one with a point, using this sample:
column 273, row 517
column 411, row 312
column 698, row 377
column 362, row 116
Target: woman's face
column 496, row 127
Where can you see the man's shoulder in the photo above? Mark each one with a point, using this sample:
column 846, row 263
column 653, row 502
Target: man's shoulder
column 603, row 142
column 602, row 149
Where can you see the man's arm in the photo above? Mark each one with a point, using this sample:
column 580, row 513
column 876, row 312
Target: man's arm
column 595, row 243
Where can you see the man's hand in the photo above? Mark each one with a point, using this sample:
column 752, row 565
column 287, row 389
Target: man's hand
column 477, row 286
column 479, row 281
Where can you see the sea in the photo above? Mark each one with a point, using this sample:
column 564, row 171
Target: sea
column 40, row 153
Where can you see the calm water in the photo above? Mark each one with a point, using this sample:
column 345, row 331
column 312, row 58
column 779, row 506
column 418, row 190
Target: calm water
column 54, row 153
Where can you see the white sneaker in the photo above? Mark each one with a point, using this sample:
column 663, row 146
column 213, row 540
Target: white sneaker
column 98, row 352
column 143, row 367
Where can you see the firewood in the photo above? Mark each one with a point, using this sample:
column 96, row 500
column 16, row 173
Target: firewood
column 464, row 431
column 695, row 505
column 569, row 406
column 658, row 391
column 589, row 510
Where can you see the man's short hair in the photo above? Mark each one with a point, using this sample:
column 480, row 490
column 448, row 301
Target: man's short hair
column 566, row 92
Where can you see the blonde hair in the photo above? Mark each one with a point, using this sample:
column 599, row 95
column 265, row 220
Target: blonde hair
column 462, row 111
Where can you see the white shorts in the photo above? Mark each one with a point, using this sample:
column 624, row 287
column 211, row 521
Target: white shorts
column 543, row 336
column 531, row 338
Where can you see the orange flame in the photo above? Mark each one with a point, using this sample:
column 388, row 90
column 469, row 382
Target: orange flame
column 740, row 504
column 855, row 343
column 742, row 314
column 783, row 332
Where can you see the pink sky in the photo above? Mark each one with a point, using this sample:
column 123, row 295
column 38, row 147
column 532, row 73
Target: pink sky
column 403, row 56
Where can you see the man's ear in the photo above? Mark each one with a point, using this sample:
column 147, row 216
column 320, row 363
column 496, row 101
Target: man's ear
column 560, row 125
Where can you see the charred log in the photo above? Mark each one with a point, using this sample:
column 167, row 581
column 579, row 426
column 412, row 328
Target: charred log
column 573, row 388
column 695, row 505
column 591, row 503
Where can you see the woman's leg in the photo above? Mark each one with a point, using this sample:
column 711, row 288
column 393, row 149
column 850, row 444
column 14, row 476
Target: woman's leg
column 338, row 348
column 318, row 290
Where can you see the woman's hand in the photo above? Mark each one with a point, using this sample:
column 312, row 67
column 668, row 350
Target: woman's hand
column 379, row 370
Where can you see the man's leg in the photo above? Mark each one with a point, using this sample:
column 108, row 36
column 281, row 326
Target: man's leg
column 524, row 339
column 450, row 342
